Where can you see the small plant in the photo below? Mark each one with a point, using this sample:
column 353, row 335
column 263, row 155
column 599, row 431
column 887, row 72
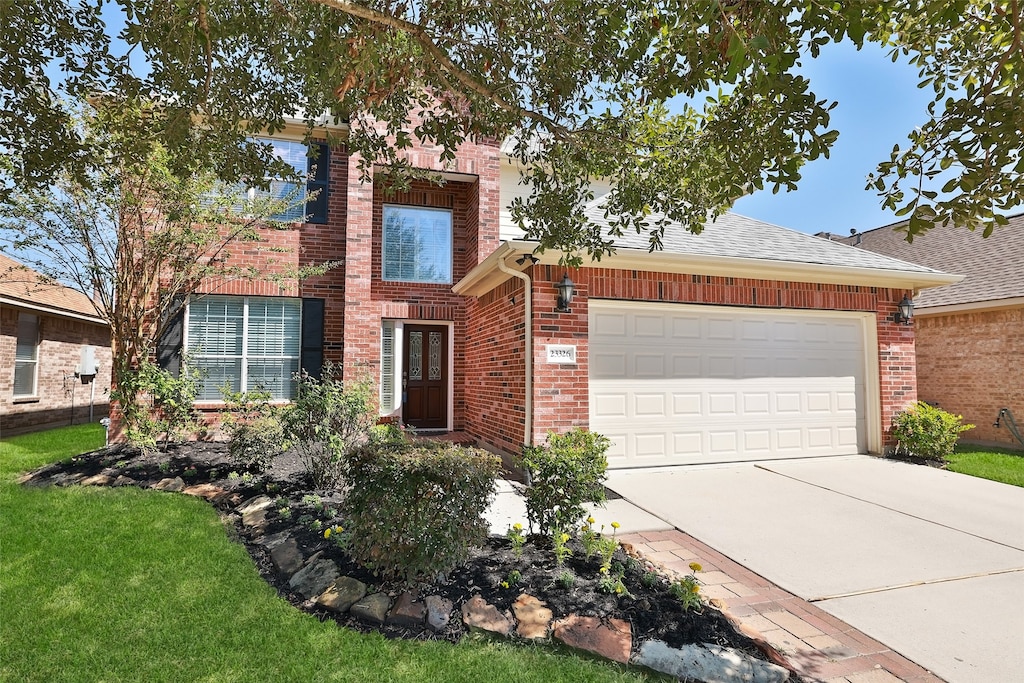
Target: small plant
column 687, row 589
column 513, row 579
column 560, row 545
column 566, row 472
column 154, row 402
column 253, row 424
column 589, row 538
column 649, row 579
column 566, row 579
column 190, row 473
column 611, row 580
column 339, row 535
column 327, row 420
column 164, row 467
column 232, row 475
column 284, row 512
column 516, row 538
column 927, row 432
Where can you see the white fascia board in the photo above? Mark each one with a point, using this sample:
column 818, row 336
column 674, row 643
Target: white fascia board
column 486, row 275
column 51, row 310
column 971, row 307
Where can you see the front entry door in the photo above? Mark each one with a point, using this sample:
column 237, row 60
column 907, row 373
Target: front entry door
column 425, row 377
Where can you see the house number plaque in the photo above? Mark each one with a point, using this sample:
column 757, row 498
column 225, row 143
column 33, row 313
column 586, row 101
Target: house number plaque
column 562, row 354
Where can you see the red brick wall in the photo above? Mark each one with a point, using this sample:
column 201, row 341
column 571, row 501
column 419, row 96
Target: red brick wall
column 494, row 382
column 561, row 392
column 61, row 341
column 971, row 364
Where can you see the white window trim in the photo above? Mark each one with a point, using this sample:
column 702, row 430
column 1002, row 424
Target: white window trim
column 244, row 356
column 34, row 361
column 451, row 244
column 399, row 355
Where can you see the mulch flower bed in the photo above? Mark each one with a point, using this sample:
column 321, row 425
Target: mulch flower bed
column 496, row 571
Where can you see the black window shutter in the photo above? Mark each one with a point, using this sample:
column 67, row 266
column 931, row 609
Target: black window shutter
column 319, row 175
column 312, row 354
column 168, row 346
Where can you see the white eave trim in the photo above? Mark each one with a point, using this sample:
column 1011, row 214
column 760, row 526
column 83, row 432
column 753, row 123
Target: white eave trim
column 970, row 307
column 52, row 310
column 486, row 276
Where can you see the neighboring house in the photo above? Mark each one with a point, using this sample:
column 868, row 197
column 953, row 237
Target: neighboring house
column 44, row 329
column 748, row 341
column 970, row 335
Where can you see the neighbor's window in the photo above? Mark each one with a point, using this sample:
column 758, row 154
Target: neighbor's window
column 245, row 343
column 26, row 355
column 417, row 244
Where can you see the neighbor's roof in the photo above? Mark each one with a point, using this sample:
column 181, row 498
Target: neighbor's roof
column 993, row 266
column 735, row 246
column 21, row 286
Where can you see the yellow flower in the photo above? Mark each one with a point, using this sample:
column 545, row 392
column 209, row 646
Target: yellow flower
column 695, row 566
column 695, row 588
column 590, row 520
column 615, row 525
column 504, row 584
column 517, row 526
column 327, row 532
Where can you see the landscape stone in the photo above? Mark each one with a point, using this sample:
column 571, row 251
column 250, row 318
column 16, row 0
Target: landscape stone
column 373, row 608
column 314, row 578
column 260, row 502
column 708, row 663
column 124, row 481
column 439, row 612
column 608, row 638
column 342, row 594
column 274, row 540
column 254, row 511
column 533, row 617
column 408, row 612
column 287, row 557
column 205, row 491
column 97, row 480
column 479, row 615
column 175, row 484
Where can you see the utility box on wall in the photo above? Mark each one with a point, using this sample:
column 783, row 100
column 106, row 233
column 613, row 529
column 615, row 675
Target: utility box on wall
column 87, row 365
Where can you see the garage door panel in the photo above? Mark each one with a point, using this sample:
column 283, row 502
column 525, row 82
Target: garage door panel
column 673, row 384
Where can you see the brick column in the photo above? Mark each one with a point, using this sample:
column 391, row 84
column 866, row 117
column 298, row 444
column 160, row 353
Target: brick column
column 897, row 364
column 362, row 314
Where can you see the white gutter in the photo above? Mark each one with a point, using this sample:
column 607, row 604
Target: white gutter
column 52, row 310
column 528, row 316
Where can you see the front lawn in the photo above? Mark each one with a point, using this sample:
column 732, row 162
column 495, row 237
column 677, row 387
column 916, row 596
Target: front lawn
column 997, row 464
column 124, row 584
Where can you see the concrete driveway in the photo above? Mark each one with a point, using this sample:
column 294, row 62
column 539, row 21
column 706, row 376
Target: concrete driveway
column 931, row 563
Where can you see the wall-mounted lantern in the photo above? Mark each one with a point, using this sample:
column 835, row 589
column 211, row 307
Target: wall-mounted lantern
column 565, row 291
column 905, row 313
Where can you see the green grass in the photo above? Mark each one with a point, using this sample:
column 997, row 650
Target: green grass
column 100, row 584
column 997, row 464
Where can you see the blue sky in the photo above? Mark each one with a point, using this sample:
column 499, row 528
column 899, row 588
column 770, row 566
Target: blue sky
column 879, row 103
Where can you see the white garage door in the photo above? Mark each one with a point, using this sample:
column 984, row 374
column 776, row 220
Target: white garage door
column 683, row 384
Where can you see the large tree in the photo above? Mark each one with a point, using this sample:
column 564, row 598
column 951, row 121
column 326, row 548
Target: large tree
column 582, row 88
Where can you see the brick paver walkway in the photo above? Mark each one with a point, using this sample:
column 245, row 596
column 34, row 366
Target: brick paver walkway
column 817, row 646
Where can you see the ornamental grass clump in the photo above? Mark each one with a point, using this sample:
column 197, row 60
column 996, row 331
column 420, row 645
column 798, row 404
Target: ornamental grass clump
column 413, row 511
column 566, row 472
column 928, row 432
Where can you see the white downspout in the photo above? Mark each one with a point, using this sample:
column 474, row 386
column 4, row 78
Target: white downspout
column 528, row 305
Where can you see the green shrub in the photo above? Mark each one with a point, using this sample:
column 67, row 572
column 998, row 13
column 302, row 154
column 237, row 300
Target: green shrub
column 327, row 419
column 414, row 511
column 927, row 432
column 154, row 402
column 566, row 472
column 256, row 435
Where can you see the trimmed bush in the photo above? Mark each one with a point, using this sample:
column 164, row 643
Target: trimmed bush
column 566, row 472
column 927, row 432
column 414, row 511
column 154, row 402
column 327, row 419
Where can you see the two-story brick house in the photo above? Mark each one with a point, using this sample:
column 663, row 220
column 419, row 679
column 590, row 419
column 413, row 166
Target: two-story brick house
column 748, row 341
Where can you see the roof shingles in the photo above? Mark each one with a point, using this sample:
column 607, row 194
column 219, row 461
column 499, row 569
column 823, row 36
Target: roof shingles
column 21, row 283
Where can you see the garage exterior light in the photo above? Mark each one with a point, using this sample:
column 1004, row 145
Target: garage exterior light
column 905, row 312
column 565, row 291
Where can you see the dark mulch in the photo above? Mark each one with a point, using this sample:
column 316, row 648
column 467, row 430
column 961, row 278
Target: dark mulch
column 652, row 611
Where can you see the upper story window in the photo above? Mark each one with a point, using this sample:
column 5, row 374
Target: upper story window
column 245, row 343
column 315, row 170
column 417, row 244
column 26, row 355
